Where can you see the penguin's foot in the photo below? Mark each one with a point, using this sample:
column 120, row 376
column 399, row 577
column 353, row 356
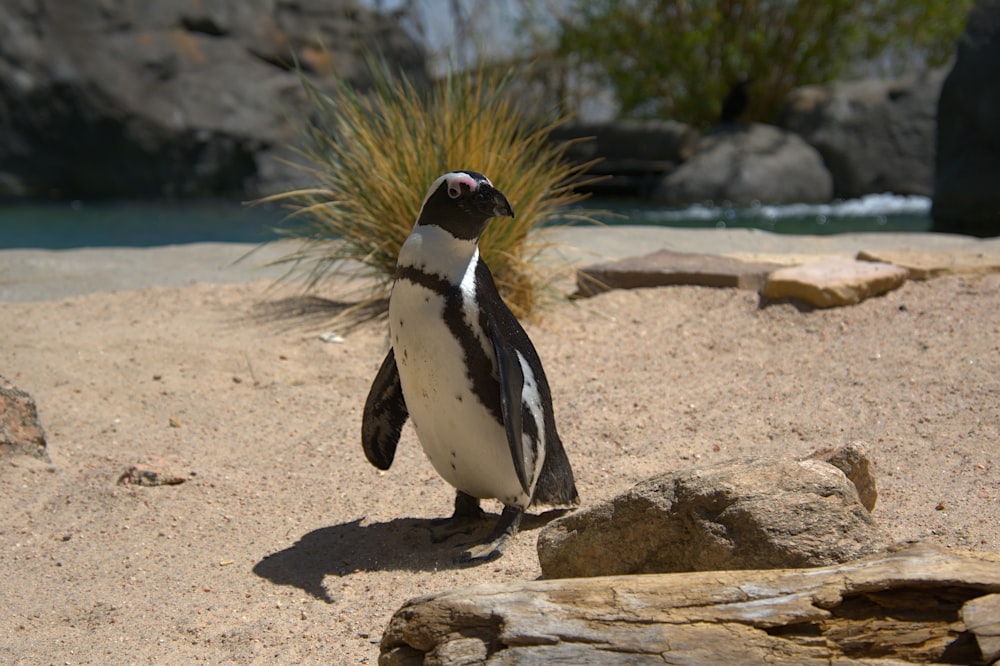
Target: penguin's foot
column 483, row 552
column 493, row 548
column 467, row 518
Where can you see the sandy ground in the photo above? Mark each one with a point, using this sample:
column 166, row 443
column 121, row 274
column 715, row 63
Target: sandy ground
column 283, row 545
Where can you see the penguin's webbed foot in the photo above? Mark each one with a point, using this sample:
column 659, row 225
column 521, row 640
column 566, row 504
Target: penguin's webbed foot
column 493, row 548
column 484, row 552
column 467, row 517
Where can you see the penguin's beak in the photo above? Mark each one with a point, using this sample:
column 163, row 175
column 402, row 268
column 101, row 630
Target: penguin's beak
column 501, row 207
column 493, row 202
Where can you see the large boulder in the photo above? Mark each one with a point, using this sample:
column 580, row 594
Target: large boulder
column 745, row 514
column 875, row 135
column 742, row 164
column 174, row 97
column 966, row 196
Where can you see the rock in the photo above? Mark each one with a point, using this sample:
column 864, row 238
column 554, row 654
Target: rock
column 154, row 470
column 925, row 265
column 172, row 98
column 982, row 617
column 665, row 267
column 915, row 605
column 632, row 155
column 21, row 431
column 790, row 258
column 745, row 164
column 875, row 135
column 833, row 282
column 967, row 162
column 744, row 514
column 853, row 460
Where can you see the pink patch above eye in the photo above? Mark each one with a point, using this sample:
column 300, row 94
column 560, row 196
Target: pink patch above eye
column 457, row 180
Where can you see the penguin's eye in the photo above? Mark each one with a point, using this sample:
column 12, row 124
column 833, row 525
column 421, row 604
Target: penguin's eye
column 454, row 191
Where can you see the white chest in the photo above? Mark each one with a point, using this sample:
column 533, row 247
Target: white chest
column 461, row 436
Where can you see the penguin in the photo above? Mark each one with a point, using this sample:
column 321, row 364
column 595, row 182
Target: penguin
column 463, row 370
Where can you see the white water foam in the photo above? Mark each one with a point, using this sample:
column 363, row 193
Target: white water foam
column 871, row 205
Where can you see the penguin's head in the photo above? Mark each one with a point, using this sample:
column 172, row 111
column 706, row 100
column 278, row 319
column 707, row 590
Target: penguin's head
column 462, row 202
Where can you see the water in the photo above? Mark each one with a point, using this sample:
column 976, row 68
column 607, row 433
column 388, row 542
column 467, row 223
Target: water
column 59, row 226
column 144, row 224
column 874, row 212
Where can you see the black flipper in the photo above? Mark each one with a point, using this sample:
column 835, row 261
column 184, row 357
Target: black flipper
column 511, row 387
column 556, row 485
column 385, row 414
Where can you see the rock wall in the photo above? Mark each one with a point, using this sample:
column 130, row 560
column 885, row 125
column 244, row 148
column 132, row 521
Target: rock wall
column 875, row 135
column 839, row 140
column 114, row 98
column 120, row 98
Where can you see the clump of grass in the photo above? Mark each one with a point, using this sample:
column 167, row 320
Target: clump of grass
column 374, row 155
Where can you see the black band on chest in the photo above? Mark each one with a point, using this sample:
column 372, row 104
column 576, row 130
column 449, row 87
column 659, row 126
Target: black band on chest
column 435, row 283
column 479, row 365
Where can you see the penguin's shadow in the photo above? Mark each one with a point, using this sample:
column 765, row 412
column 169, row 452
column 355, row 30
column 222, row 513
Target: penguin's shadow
column 402, row 544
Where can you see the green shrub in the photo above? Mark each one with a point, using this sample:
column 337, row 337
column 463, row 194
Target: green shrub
column 678, row 58
column 374, row 154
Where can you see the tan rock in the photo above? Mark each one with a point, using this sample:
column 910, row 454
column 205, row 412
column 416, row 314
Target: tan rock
column 919, row 604
column 21, row 431
column 982, row 617
column 833, row 282
column 854, row 461
column 665, row 268
column 752, row 513
column 782, row 259
column 923, row 265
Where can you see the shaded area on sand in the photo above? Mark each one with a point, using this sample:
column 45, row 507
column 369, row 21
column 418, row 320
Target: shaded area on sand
column 400, row 544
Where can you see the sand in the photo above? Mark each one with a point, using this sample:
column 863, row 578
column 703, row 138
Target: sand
column 283, row 545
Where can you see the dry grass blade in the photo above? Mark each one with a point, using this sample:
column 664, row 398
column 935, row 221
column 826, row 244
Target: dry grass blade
column 374, row 155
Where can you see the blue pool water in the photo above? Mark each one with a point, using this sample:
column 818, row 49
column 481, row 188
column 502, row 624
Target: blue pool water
column 146, row 224
column 58, row 226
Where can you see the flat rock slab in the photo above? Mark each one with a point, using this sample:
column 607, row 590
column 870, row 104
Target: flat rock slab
column 923, row 265
column 668, row 268
column 780, row 260
column 833, row 282
column 914, row 605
